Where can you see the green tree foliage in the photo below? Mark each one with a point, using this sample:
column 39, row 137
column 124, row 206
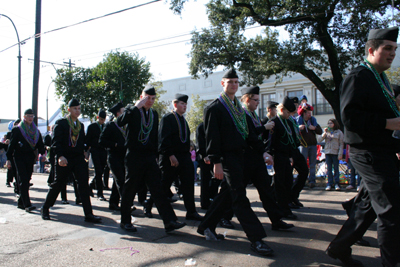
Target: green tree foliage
column 119, row 77
column 324, row 36
column 195, row 115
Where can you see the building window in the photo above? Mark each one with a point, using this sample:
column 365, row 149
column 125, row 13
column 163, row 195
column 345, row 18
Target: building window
column 297, row 93
column 207, row 84
column 321, row 106
column 262, row 110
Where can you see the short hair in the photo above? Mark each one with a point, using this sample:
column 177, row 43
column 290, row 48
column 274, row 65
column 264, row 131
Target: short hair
column 374, row 44
column 246, row 96
column 336, row 125
column 280, row 106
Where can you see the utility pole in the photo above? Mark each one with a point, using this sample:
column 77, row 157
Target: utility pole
column 36, row 63
column 69, row 64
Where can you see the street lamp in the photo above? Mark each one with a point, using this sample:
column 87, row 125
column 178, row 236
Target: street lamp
column 19, row 67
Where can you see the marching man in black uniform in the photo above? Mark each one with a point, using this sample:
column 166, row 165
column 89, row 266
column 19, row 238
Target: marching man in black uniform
column 371, row 120
column 254, row 165
column 141, row 161
column 175, row 160
column 69, row 143
column 25, row 139
column 227, row 135
column 282, row 147
column 99, row 154
column 113, row 138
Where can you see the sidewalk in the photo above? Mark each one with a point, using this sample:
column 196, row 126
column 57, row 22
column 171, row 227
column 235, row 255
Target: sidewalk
column 67, row 240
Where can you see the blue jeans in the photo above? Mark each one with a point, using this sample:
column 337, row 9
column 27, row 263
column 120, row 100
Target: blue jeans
column 310, row 152
column 353, row 174
column 331, row 158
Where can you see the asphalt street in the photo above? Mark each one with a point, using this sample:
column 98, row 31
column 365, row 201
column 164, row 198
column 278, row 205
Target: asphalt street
column 66, row 240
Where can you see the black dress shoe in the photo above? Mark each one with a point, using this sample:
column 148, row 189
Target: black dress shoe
column 45, row 213
column 298, row 203
column 363, row 242
column 173, row 225
column 147, row 209
column 281, row 225
column 128, row 227
column 20, row 206
column 291, row 216
column 78, row 201
column 261, row 248
column 30, row 208
column 216, row 236
column 345, row 258
column 226, row 224
column 113, row 207
column 194, row 216
column 102, row 198
column 64, row 202
column 293, row 206
column 92, row 219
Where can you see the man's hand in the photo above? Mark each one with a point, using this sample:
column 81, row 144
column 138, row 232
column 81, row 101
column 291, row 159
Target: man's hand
column 140, row 103
column 62, row 161
column 393, row 124
column 268, row 159
column 301, row 127
column 207, row 160
column 174, row 161
column 8, row 163
column 312, row 127
column 269, row 125
column 218, row 171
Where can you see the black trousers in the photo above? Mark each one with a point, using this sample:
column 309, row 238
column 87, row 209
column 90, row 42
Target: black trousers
column 50, row 179
column 209, row 186
column 256, row 172
column 283, row 182
column 106, row 176
column 184, row 172
column 99, row 158
column 79, row 168
column 12, row 172
column 116, row 162
column 300, row 164
column 233, row 194
column 144, row 168
column 24, row 166
column 379, row 197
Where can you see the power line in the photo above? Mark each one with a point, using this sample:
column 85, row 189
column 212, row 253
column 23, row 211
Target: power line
column 88, row 20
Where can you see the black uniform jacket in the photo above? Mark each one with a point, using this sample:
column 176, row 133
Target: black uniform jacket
column 62, row 140
column 112, row 139
column 20, row 147
column 364, row 109
column 93, row 135
column 132, row 118
column 221, row 133
column 280, row 141
column 169, row 140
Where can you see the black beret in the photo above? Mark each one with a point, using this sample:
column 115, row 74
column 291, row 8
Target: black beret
column 73, row 102
column 255, row 90
column 396, row 90
column 116, row 108
column 17, row 121
column 384, row 34
column 181, row 97
column 230, row 74
column 29, row 111
column 295, row 100
column 272, row 104
column 102, row 114
column 149, row 90
column 289, row 104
